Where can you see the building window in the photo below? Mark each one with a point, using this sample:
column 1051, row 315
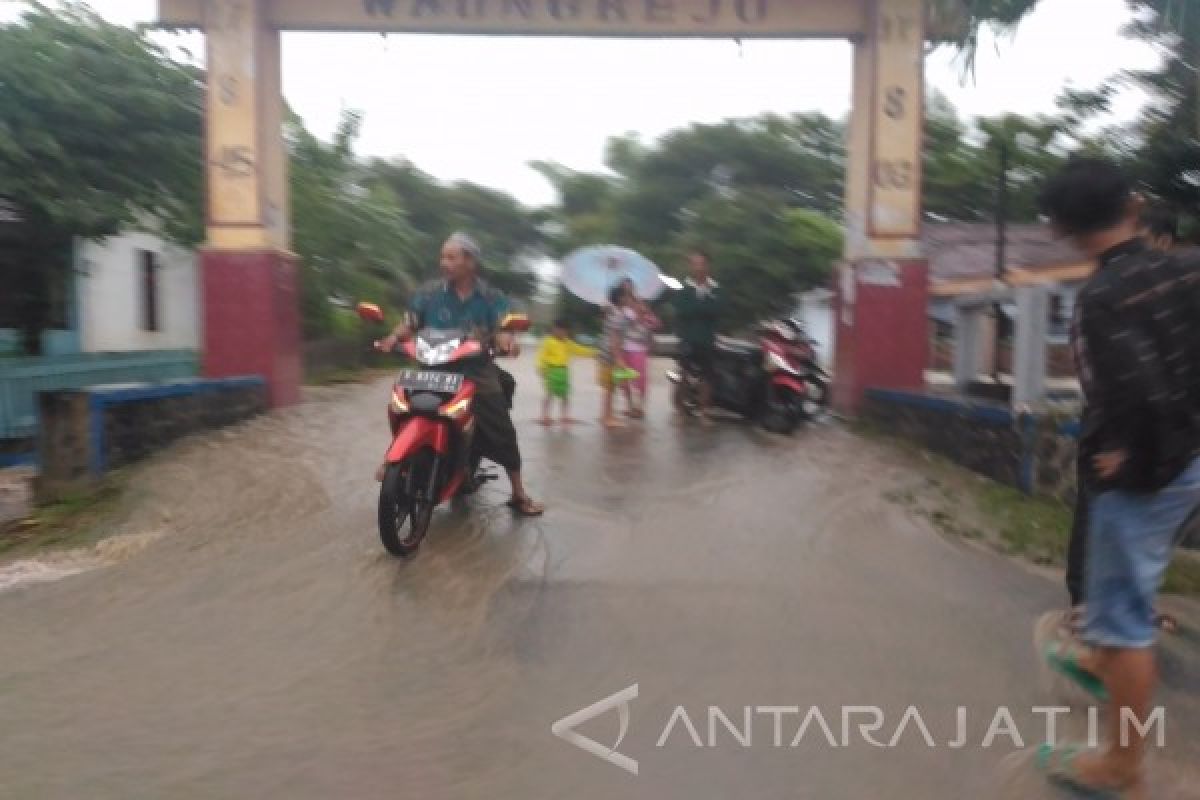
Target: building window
column 148, row 264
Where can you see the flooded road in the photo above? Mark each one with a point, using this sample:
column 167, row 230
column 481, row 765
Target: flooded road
column 254, row 641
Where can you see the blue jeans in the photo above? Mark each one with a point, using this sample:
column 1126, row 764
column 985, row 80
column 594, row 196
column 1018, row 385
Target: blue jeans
column 1130, row 540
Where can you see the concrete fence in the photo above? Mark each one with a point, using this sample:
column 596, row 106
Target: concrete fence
column 22, row 378
column 1029, row 451
column 87, row 432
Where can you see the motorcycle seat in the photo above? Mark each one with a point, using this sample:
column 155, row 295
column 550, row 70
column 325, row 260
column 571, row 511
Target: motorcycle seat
column 738, row 348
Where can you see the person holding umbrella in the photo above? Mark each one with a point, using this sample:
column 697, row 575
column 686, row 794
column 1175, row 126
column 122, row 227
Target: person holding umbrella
column 614, row 278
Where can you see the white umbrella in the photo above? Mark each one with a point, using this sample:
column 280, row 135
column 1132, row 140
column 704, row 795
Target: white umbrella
column 591, row 273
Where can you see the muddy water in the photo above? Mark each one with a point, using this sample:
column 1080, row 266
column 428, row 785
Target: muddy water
column 246, row 636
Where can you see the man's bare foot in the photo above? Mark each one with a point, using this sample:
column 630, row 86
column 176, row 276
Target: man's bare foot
column 545, row 422
column 612, row 423
column 1104, row 772
column 569, row 421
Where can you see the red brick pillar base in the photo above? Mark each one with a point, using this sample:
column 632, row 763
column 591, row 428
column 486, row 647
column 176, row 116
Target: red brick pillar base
column 252, row 319
column 882, row 326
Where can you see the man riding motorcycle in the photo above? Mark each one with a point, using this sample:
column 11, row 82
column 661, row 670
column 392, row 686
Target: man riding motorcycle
column 462, row 300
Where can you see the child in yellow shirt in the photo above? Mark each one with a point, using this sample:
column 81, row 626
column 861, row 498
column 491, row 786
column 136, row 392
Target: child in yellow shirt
column 554, row 365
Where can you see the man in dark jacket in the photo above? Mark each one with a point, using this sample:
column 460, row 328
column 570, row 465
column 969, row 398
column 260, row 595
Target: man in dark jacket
column 698, row 307
column 1137, row 340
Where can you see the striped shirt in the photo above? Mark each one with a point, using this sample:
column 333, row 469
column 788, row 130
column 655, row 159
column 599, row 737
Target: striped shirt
column 1137, row 340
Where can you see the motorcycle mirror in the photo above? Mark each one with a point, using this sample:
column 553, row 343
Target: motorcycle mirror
column 369, row 312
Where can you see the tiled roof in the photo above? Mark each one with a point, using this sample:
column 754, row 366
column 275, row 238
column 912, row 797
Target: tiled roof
column 966, row 250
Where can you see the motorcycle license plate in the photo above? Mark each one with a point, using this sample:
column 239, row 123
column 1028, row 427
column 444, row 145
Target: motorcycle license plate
column 415, row 380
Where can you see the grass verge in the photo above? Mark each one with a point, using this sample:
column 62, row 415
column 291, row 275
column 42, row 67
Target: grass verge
column 71, row 522
column 959, row 503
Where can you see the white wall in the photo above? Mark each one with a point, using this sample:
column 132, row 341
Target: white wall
column 110, row 296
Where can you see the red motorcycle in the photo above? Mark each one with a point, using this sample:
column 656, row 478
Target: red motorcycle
column 431, row 414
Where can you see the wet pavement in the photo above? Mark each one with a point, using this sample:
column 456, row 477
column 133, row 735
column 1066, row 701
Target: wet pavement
column 245, row 636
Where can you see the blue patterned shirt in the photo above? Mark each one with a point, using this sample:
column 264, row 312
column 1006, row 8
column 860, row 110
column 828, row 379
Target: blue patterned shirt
column 438, row 305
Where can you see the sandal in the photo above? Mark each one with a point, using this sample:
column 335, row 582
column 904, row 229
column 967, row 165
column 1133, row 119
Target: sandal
column 1064, row 659
column 526, row 507
column 1058, row 765
column 1166, row 623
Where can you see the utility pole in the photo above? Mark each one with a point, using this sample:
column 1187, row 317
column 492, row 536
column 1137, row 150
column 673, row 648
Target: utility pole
column 1001, row 253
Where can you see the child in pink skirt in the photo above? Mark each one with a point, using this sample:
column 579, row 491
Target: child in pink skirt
column 639, row 340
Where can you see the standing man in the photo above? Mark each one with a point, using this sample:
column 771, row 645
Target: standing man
column 1137, row 340
column 1159, row 229
column 462, row 300
column 698, row 307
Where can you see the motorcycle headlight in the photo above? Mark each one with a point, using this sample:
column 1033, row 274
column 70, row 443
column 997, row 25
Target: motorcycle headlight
column 431, row 355
column 399, row 404
column 457, row 408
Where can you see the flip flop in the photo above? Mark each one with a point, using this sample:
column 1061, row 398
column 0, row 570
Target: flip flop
column 1062, row 658
column 1058, row 765
column 525, row 507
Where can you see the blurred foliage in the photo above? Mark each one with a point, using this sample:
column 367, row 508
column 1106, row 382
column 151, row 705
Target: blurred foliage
column 1163, row 147
column 749, row 190
column 762, row 251
column 99, row 131
column 508, row 233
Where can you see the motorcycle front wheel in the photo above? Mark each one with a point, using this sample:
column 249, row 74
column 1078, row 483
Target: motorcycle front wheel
column 402, row 504
column 817, row 399
column 781, row 414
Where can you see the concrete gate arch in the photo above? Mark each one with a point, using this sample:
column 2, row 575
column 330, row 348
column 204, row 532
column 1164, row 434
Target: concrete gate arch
column 251, row 317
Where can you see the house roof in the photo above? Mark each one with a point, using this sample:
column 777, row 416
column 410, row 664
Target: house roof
column 966, row 251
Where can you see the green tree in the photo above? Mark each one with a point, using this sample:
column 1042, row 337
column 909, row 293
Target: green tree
column 354, row 240
column 1166, row 154
column 800, row 157
column 509, row 234
column 99, row 131
column 762, row 251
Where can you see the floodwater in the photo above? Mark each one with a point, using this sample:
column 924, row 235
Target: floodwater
column 246, row 636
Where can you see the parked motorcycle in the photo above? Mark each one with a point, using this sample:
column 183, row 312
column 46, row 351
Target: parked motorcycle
column 775, row 380
column 431, row 414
